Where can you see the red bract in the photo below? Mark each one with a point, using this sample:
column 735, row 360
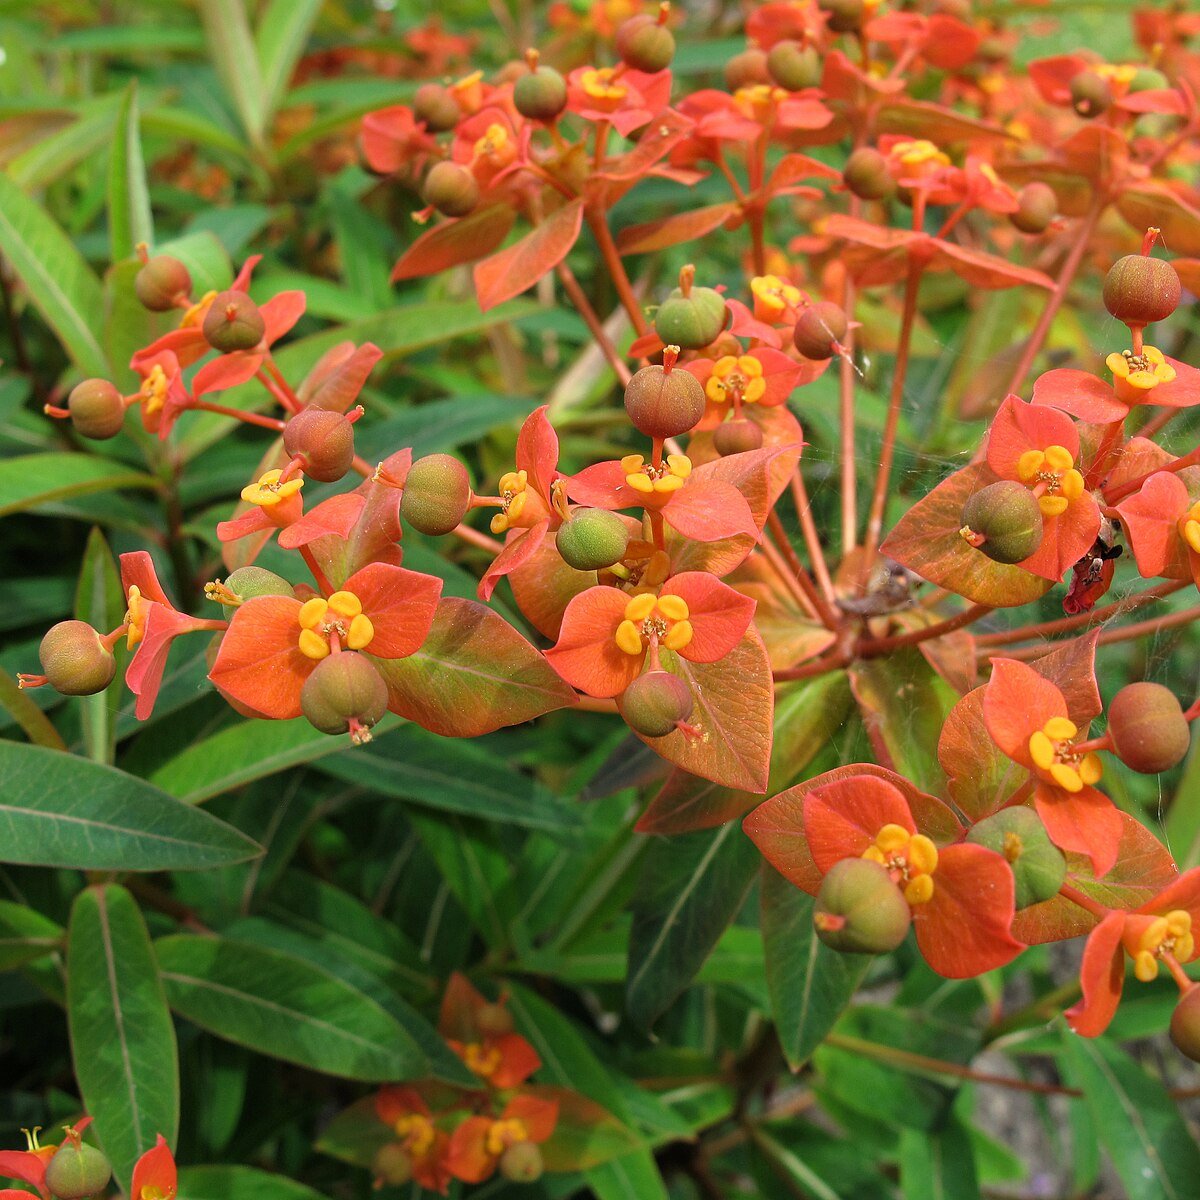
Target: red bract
column 1157, row 932
column 1028, row 719
column 393, row 139
column 1162, row 523
column 758, row 377
column 477, row 1145
column 625, row 98
column 960, row 894
column 1146, row 378
column 607, row 633
column 404, row 1111
column 1039, row 447
column 480, row 1033
column 274, row 642
column 154, row 1174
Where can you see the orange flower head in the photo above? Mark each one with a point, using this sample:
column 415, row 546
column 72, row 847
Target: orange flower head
column 1150, row 940
column 271, row 489
column 1189, row 527
column 658, row 481
column 340, row 620
column 1052, row 749
column 773, row 297
column 651, row 619
column 917, row 160
column 496, row 146
column 1053, row 478
column 468, row 92
column 1135, row 375
column 153, row 392
column 910, row 858
column 737, row 377
column 194, row 316
column 603, row 87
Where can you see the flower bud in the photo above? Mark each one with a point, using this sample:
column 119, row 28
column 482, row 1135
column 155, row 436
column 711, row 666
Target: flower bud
column 1140, row 290
column 77, row 1171
column 645, row 44
column 737, row 436
column 233, row 322
column 74, row 659
column 747, row 69
column 437, row 492
column 592, row 539
column 843, row 16
column 325, row 440
column 859, row 910
column 819, row 330
column 664, row 403
column 1090, row 94
column 249, row 582
column 451, row 189
column 1185, row 1024
column 1147, row 728
column 344, row 692
column 162, row 283
column 522, row 1163
column 1148, row 79
column 540, row 94
column 494, row 1020
column 1018, row 834
column 794, row 66
column 866, row 174
column 1004, row 521
column 655, row 703
column 1037, row 207
column 97, row 408
column 692, row 320
column 392, row 1165
column 434, row 105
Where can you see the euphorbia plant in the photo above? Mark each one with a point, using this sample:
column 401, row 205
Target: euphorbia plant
column 875, row 692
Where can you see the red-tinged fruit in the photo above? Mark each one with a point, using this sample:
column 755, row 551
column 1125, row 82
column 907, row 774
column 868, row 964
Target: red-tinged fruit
column 664, row 402
column 859, row 910
column 233, row 322
column 451, row 188
column 1037, row 206
column 522, row 1163
column 436, row 107
column 437, row 492
column 540, row 94
column 747, row 69
column 77, row 1171
column 1090, row 94
column 843, row 16
column 392, row 1165
column 1140, row 290
column 163, row 283
column 645, row 44
column 691, row 319
column 344, row 694
column 737, row 436
column 819, row 330
column 867, row 175
column 324, row 440
column 1185, row 1024
column 492, row 1019
column 656, row 703
column 592, row 539
column 1003, row 521
column 794, row 66
column 1018, row 835
column 97, row 409
column 75, row 660
column 1147, row 727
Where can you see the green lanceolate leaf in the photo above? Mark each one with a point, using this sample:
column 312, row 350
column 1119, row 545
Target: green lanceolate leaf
column 281, row 1006
column 240, row 1183
column 100, row 602
column 122, row 1035
column 31, row 480
column 810, row 984
column 57, row 810
column 26, row 935
column 938, row 1165
column 282, row 31
column 690, row 888
column 231, row 46
column 129, row 219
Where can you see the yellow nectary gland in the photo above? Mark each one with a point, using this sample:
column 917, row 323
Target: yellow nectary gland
column 505, row 1133
column 1189, row 528
column 1053, row 751
column 417, row 1133
column 485, row 1061
column 601, row 85
column 514, row 493
column 649, row 618
column 340, row 617
column 1168, row 935
column 736, row 378
column 1052, row 476
column 668, row 476
column 271, row 489
column 910, row 859
column 1136, row 374
column 154, row 390
column 135, row 616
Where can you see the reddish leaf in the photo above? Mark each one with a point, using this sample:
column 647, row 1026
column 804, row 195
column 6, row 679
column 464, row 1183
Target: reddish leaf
column 710, row 510
column 454, row 242
column 1155, row 204
column 679, row 227
column 981, row 777
column 473, row 675
column 519, row 266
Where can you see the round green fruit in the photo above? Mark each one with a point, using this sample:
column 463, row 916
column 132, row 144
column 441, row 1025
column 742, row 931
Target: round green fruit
column 437, row 492
column 233, row 322
column 655, row 703
column 692, row 321
column 77, row 1171
column 1147, row 727
column 859, row 910
column 663, row 403
column 592, row 539
column 1007, row 516
column 74, row 659
column 1018, row 835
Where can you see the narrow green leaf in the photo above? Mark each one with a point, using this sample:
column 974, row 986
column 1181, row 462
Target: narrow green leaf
column 789, row 1165
column 60, row 284
column 231, row 46
column 55, row 156
column 100, row 602
column 282, row 32
column 810, row 984
column 690, row 888
column 129, row 219
column 240, row 1183
column 26, row 935
column 1138, row 1123
column 57, row 810
column 281, row 1006
column 122, row 1035
column 938, row 1165
column 31, row 480
column 35, row 724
